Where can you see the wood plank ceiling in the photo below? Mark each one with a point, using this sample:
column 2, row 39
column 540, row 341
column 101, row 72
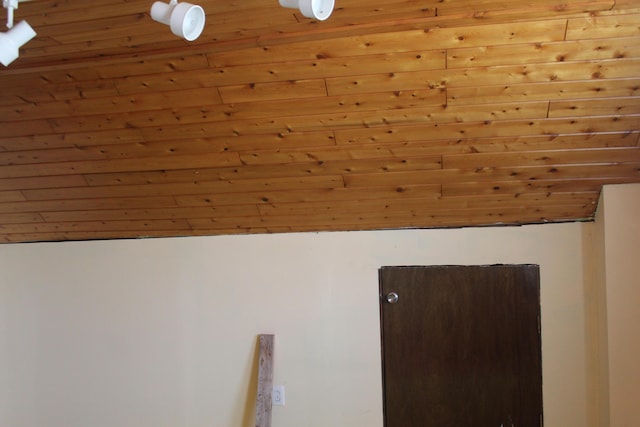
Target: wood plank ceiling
column 391, row 114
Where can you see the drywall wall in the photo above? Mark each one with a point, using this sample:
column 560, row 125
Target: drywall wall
column 162, row 332
column 596, row 321
column 620, row 217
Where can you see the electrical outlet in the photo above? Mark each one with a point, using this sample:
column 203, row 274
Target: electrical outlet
column 277, row 395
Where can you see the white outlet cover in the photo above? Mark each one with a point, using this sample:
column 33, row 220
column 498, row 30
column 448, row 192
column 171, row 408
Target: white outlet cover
column 277, row 395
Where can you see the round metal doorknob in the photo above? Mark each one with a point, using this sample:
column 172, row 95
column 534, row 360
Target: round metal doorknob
column 392, row 298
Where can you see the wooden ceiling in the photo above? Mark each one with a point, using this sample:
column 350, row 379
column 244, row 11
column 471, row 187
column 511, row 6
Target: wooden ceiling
column 391, row 114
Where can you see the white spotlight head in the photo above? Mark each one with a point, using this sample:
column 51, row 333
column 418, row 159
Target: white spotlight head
column 12, row 40
column 316, row 9
column 185, row 19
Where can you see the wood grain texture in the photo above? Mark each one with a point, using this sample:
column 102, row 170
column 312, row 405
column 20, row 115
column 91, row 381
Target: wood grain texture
column 387, row 115
column 461, row 346
column 265, row 380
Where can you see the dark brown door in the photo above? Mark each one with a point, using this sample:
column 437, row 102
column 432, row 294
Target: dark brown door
column 461, row 346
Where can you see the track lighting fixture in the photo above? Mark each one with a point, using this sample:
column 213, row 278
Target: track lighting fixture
column 186, row 20
column 316, row 9
column 12, row 40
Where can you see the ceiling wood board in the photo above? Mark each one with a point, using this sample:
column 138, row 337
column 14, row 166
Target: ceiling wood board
column 391, row 114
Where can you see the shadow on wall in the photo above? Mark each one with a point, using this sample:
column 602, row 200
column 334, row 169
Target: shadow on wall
column 595, row 303
column 249, row 417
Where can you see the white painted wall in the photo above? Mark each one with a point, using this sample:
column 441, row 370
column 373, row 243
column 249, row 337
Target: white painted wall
column 596, row 322
column 620, row 218
column 163, row 332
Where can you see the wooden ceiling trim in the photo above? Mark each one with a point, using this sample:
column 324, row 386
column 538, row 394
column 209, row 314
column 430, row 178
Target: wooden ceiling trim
column 416, row 170
column 97, row 89
column 544, row 91
column 401, row 41
column 88, row 32
column 373, row 8
column 334, row 167
column 625, row 4
column 46, row 79
column 348, row 116
column 186, row 80
column 116, row 152
column 430, row 191
column 66, row 236
column 234, row 21
column 324, row 66
column 208, row 229
column 330, row 167
column 186, row 188
column 611, row 170
column 494, row 144
column 531, row 53
column 484, row 174
column 10, row 130
column 293, row 89
column 127, row 111
column 373, row 151
column 42, row 182
column 288, row 145
column 23, row 157
column 98, row 127
column 221, row 211
column 418, row 209
column 375, row 215
column 111, row 165
column 528, row 199
column 136, row 226
column 114, row 203
column 69, row 11
column 250, row 172
column 11, row 196
column 587, row 107
column 319, row 163
column 22, row 218
column 597, row 27
column 209, row 145
column 448, row 7
column 69, row 74
column 148, row 102
column 574, row 88
column 506, row 128
column 481, row 175
column 300, row 158
column 489, row 76
column 153, row 177
column 516, row 187
column 341, row 219
column 141, row 67
column 423, row 99
column 283, row 125
column 553, row 142
column 64, row 140
column 555, row 157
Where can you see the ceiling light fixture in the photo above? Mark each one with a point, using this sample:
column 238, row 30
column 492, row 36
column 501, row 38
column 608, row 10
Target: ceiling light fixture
column 316, row 9
column 185, row 19
column 12, row 40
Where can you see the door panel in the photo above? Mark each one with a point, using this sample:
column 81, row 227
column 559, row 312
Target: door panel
column 461, row 346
